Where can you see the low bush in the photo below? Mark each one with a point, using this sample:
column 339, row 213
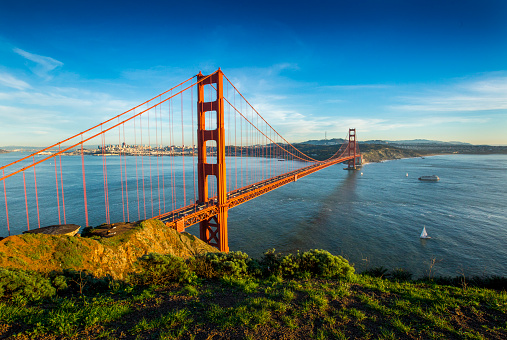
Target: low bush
column 234, row 268
column 312, row 263
column 321, row 263
column 155, row 269
column 217, row 265
column 24, row 286
column 82, row 282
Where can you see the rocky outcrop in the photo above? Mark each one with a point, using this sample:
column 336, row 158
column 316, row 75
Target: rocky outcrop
column 381, row 153
column 62, row 229
column 111, row 254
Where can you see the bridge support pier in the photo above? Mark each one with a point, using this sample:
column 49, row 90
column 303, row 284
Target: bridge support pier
column 213, row 230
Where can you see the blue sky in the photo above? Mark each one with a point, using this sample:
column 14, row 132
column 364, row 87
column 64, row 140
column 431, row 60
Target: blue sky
column 392, row 69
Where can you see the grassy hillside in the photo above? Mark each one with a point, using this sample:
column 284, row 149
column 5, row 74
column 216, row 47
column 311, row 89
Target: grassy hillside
column 312, row 295
column 105, row 250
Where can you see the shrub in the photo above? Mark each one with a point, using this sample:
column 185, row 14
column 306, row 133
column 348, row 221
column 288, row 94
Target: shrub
column 217, row 265
column 21, row 285
column 321, row 263
column 313, row 263
column 271, row 262
column 82, row 281
column 158, row 269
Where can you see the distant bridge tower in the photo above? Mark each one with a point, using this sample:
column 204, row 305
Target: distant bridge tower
column 213, row 230
column 352, row 149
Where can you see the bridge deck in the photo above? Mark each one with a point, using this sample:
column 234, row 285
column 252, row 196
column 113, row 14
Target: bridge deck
column 187, row 216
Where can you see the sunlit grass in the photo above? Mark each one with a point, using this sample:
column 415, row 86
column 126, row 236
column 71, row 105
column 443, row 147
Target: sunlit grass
column 362, row 307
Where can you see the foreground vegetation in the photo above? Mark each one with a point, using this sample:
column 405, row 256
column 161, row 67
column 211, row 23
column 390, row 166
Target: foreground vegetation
column 231, row 296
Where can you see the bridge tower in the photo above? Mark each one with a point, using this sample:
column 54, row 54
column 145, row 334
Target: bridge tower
column 352, row 149
column 213, row 230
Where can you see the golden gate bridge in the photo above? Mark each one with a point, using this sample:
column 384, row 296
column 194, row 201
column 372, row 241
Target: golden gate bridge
column 180, row 185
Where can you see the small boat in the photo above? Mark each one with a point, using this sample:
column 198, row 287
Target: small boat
column 424, row 234
column 432, row 178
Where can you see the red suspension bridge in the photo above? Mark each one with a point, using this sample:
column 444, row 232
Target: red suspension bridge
column 180, row 159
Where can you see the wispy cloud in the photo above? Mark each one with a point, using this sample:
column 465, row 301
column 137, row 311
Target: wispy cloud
column 13, row 82
column 53, row 112
column 464, row 96
column 357, row 87
column 43, row 65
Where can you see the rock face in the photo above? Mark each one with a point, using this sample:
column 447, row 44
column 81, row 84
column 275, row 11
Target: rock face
column 62, row 229
column 114, row 254
column 379, row 153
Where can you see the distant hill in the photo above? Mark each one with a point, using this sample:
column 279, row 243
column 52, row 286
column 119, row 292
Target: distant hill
column 332, row 141
column 335, row 141
column 426, row 141
column 20, row 148
column 375, row 141
column 3, row 151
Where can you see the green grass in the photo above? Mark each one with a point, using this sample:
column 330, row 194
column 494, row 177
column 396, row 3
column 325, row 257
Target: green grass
column 242, row 307
column 170, row 325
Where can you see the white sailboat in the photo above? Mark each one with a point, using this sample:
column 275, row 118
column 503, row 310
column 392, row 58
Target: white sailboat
column 424, row 234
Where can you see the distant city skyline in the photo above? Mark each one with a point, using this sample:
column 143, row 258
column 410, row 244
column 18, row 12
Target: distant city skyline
column 392, row 69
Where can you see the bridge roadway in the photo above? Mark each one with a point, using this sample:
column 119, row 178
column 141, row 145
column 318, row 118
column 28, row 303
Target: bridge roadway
column 189, row 215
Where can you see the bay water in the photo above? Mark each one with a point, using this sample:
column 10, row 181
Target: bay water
column 373, row 217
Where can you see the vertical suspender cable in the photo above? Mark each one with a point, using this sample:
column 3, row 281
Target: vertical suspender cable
column 229, row 186
column 126, row 182
column 241, row 142
column 26, row 202
column 36, row 194
column 84, row 183
column 142, row 164
column 193, row 141
column 149, row 158
column 173, row 181
column 163, row 152
column 157, row 150
column 120, row 146
column 104, row 172
column 6, row 207
column 247, row 146
column 57, row 194
column 235, row 144
column 61, row 185
column 137, row 174
column 183, row 153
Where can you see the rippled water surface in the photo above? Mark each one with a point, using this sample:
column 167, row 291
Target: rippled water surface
column 372, row 217
column 375, row 218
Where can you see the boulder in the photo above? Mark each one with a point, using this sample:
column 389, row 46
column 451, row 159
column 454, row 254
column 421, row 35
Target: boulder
column 61, row 229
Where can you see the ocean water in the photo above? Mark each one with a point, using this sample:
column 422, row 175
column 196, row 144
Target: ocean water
column 375, row 218
column 372, row 217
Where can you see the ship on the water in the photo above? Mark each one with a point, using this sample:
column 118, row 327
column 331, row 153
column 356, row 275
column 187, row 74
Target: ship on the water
column 432, row 178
